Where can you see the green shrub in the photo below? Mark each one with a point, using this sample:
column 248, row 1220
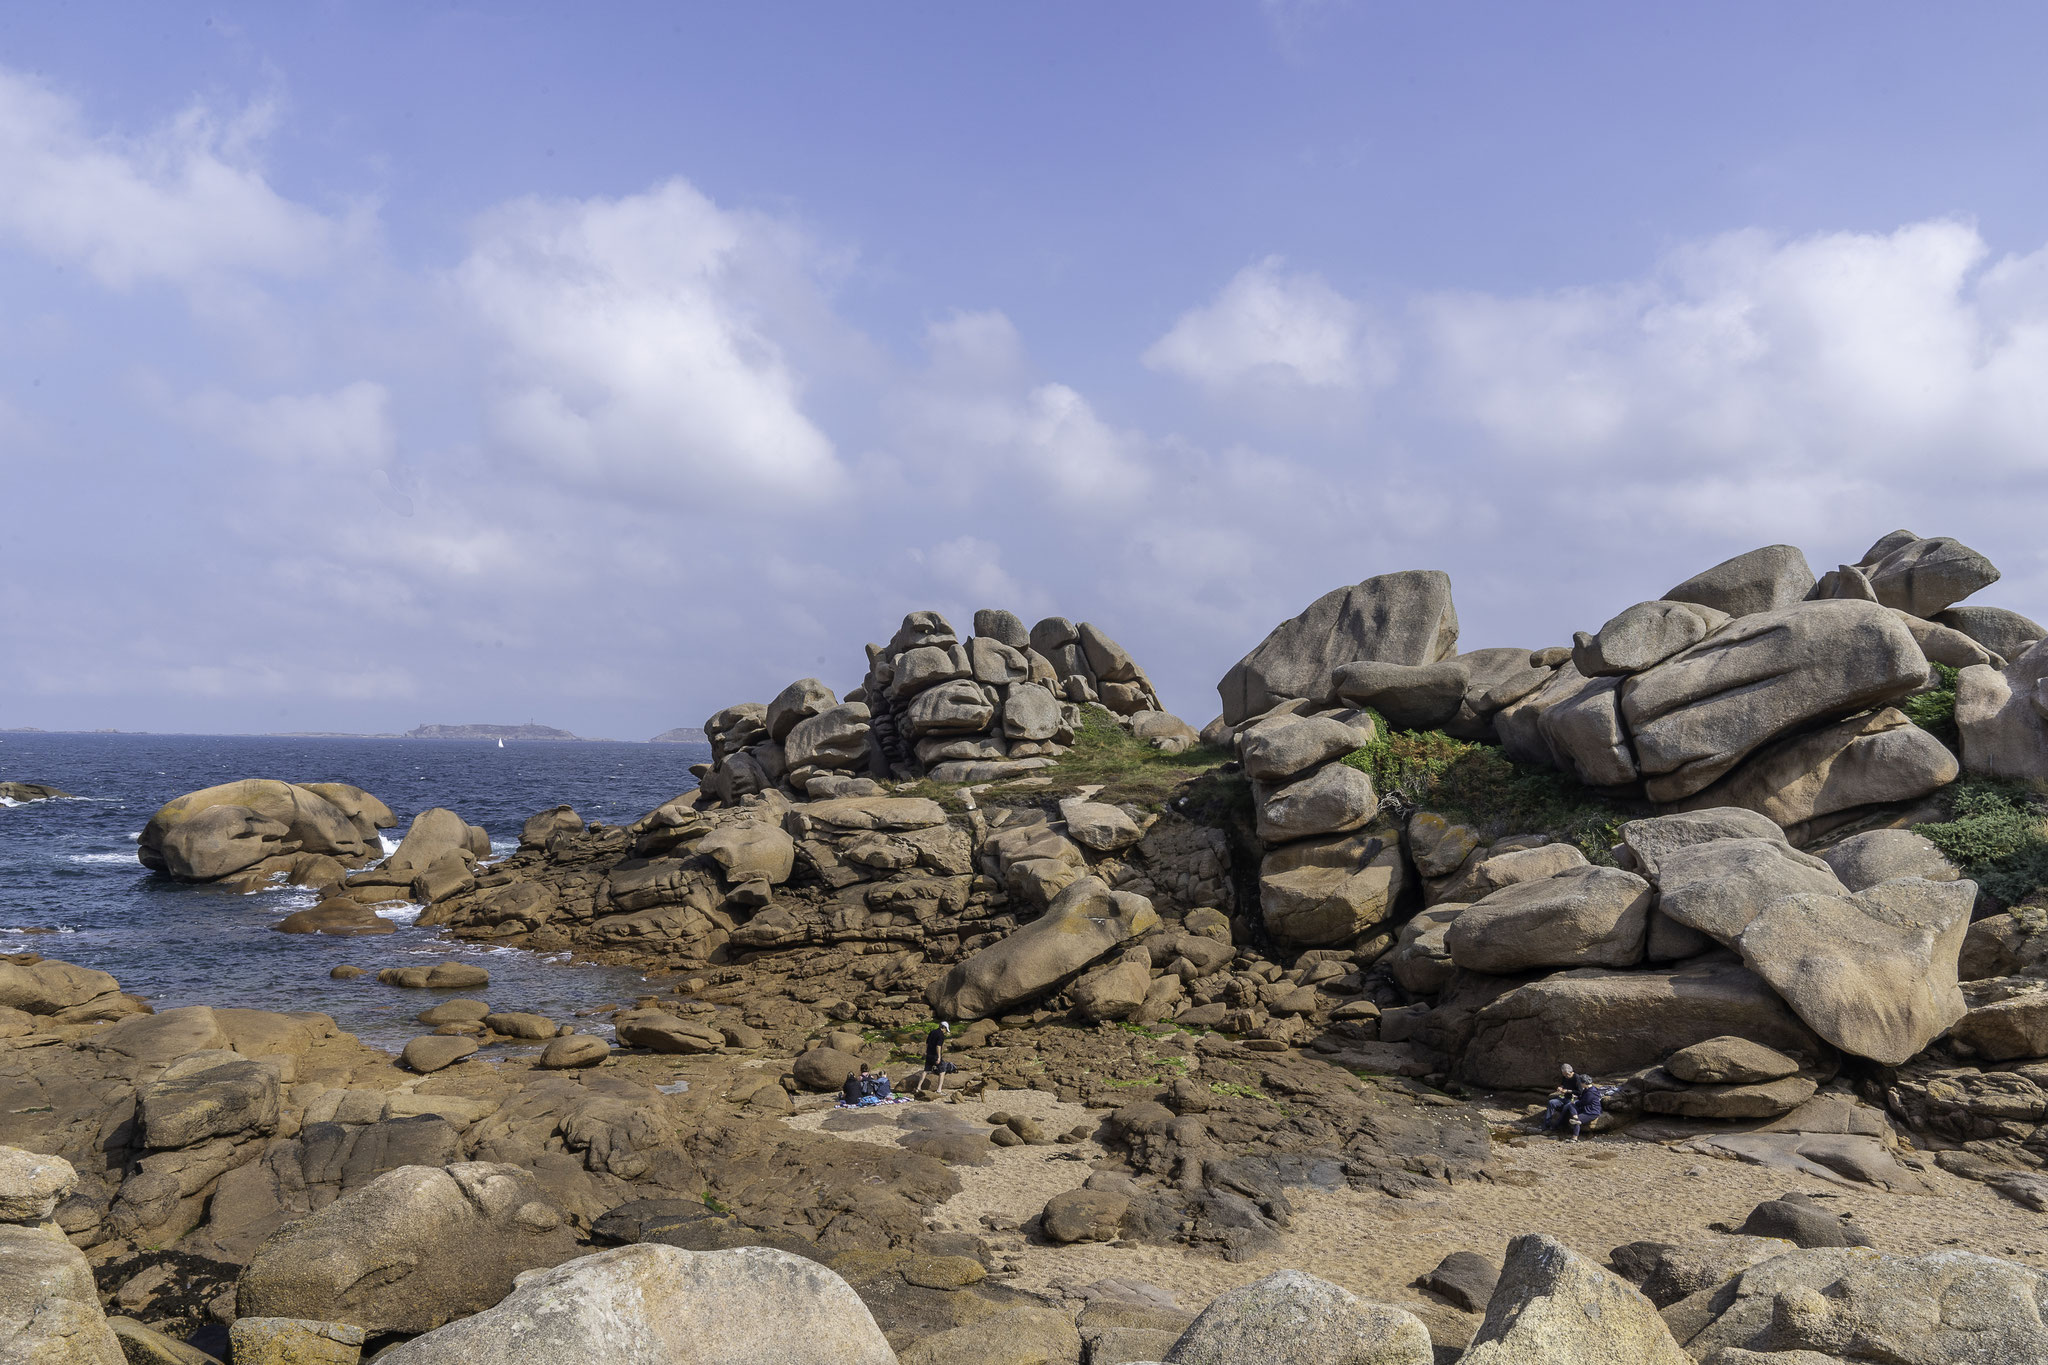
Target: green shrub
column 1935, row 712
column 1478, row 785
column 1997, row 833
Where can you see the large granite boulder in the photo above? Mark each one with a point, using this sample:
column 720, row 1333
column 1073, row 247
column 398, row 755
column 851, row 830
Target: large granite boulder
column 1586, row 917
column 1333, row 799
column 2002, row 715
column 2007, row 1029
column 1650, row 841
column 836, row 737
column 49, row 1308
column 414, row 1248
column 1084, row 924
column 1836, row 1303
column 1646, row 634
column 310, row 822
column 1284, row 747
column 1873, row 972
column 1410, row 696
column 1762, row 580
column 435, row 833
column 1700, row 712
column 652, row 1304
column 1718, row 887
column 1609, row 1023
column 1292, row 1318
column 1555, row 1307
column 1925, row 576
column 188, row 1107
column 1875, row 758
column 1322, row 891
column 1401, row 618
column 1861, row 861
column 364, row 811
column 802, row 699
column 221, row 841
column 32, row 1184
column 51, row 987
column 2005, row 633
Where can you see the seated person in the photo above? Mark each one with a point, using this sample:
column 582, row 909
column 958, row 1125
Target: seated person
column 856, row 1088
column 1573, row 1105
column 1558, row 1112
column 878, row 1085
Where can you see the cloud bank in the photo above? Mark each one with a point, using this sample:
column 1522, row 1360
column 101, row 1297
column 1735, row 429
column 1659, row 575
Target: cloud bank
column 620, row 460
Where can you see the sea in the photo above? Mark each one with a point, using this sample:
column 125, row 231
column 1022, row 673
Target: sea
column 71, row 887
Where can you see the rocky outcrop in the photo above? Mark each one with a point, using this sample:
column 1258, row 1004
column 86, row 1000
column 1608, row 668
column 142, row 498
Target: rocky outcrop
column 1294, row 1317
column 1086, row 922
column 1615, row 1023
column 457, row 1235
column 2002, row 715
column 652, row 1302
column 49, row 1307
column 257, row 829
column 1694, row 716
column 1874, row 973
column 1762, row 580
column 1855, row 1303
column 21, row 793
column 1001, row 703
column 1554, row 1307
column 1401, row 618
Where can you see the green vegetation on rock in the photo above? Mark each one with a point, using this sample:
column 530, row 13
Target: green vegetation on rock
column 1935, row 712
column 1997, row 833
column 1128, row 768
column 1478, row 785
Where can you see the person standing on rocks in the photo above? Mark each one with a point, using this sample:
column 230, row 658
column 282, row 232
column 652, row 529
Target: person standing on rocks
column 936, row 1066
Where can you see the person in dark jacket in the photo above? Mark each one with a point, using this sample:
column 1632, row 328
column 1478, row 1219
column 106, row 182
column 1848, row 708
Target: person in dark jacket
column 936, row 1066
column 856, row 1088
column 1573, row 1105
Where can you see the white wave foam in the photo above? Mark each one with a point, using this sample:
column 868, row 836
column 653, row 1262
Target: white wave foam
column 390, row 844
column 10, row 801
column 128, row 858
column 36, row 930
column 136, row 836
column 400, row 914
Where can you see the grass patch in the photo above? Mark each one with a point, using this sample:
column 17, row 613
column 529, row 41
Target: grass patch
column 1126, row 768
column 1997, row 833
column 715, row 1204
column 1935, row 712
column 1478, row 785
column 1243, row 1092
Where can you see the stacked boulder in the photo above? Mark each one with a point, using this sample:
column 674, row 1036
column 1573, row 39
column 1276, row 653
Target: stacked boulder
column 1719, row 968
column 1752, row 684
column 256, row 831
column 1333, row 871
column 1001, row 703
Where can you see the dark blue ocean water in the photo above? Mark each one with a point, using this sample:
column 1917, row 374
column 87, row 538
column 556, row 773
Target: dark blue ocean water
column 70, row 866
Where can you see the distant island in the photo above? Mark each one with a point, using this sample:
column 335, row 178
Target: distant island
column 682, row 734
column 527, row 731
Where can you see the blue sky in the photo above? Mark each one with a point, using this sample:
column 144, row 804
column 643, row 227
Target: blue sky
column 363, row 365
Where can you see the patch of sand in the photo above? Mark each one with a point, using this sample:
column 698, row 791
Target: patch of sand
column 1592, row 1195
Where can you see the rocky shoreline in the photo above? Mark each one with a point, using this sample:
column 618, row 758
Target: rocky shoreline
column 1759, row 855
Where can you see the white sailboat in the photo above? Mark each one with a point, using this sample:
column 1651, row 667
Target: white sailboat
column 501, row 743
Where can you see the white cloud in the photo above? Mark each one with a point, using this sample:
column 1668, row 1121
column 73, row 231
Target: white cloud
column 1269, row 325
column 1847, row 351
column 183, row 204
column 346, row 430
column 638, row 345
column 977, row 423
